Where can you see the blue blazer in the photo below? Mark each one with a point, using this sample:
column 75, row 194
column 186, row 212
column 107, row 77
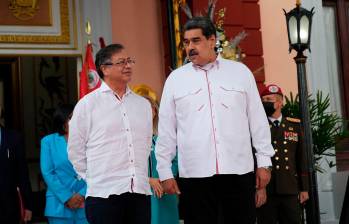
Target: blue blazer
column 60, row 177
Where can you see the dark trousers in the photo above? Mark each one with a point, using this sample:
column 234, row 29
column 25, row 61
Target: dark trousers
column 127, row 208
column 282, row 209
column 9, row 208
column 228, row 199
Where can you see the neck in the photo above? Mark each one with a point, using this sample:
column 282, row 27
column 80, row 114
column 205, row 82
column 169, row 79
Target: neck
column 276, row 114
column 117, row 87
column 211, row 59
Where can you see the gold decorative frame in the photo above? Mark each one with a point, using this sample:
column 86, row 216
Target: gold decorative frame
column 177, row 27
column 62, row 38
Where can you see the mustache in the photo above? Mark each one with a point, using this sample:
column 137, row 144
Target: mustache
column 193, row 52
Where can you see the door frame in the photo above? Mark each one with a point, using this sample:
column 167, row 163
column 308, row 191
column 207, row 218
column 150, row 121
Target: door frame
column 13, row 93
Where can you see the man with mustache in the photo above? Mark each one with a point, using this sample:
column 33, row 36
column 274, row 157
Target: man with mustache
column 109, row 144
column 211, row 110
column 288, row 188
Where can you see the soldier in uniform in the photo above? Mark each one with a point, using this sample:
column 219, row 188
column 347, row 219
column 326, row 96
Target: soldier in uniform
column 288, row 187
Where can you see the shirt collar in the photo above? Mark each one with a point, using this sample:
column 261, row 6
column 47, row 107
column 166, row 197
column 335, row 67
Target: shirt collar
column 209, row 66
column 105, row 88
column 274, row 119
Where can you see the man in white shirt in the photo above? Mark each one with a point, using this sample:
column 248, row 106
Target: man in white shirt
column 109, row 144
column 211, row 110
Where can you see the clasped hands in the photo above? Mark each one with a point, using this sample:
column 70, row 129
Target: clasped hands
column 76, row 201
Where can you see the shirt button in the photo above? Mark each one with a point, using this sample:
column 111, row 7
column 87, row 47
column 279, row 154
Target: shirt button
column 127, row 129
column 131, row 160
column 130, row 145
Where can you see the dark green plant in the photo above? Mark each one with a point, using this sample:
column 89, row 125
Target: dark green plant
column 326, row 126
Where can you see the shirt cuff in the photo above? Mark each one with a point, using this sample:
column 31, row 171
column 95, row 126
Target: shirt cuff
column 263, row 161
column 165, row 174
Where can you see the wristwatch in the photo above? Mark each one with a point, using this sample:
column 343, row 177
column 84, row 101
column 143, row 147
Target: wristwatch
column 270, row 168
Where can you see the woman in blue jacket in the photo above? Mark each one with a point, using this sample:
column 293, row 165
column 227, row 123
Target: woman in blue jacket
column 65, row 190
column 164, row 207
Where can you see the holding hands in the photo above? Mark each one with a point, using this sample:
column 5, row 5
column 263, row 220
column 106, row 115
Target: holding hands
column 170, row 186
column 156, row 186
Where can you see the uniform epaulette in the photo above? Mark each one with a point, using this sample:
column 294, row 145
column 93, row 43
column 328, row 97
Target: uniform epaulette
column 294, row 120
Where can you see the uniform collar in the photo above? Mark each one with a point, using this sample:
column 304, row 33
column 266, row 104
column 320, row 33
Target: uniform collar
column 274, row 119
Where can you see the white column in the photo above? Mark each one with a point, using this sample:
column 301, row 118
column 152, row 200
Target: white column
column 318, row 70
column 99, row 15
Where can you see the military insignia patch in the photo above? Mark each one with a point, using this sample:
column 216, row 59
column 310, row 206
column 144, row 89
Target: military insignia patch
column 294, row 120
column 273, row 89
column 291, row 136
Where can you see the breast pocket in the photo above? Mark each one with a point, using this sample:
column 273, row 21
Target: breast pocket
column 232, row 97
column 192, row 100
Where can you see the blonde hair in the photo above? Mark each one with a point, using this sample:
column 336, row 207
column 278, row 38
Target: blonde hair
column 155, row 106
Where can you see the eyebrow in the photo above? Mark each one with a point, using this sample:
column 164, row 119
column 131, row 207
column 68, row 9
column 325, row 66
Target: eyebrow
column 120, row 59
column 194, row 38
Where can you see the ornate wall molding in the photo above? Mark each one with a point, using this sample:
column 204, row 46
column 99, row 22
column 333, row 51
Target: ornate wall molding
column 61, row 38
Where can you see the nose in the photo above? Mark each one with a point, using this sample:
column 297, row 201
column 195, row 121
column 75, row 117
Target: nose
column 128, row 64
column 191, row 45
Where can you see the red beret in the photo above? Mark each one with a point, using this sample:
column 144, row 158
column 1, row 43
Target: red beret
column 271, row 89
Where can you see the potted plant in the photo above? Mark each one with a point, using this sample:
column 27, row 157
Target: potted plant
column 326, row 126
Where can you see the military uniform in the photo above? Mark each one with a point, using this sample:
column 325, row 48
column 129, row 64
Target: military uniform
column 288, row 176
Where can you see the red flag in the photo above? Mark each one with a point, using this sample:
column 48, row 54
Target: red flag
column 101, row 42
column 89, row 78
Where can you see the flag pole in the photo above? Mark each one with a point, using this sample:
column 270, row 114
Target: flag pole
column 89, row 78
column 88, row 31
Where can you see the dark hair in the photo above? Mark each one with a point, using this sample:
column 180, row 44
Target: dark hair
column 104, row 56
column 204, row 23
column 60, row 116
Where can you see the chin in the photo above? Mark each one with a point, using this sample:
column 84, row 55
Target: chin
column 195, row 62
column 128, row 79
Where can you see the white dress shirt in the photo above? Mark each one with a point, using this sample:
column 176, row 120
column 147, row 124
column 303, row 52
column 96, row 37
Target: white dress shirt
column 110, row 141
column 275, row 119
column 212, row 114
